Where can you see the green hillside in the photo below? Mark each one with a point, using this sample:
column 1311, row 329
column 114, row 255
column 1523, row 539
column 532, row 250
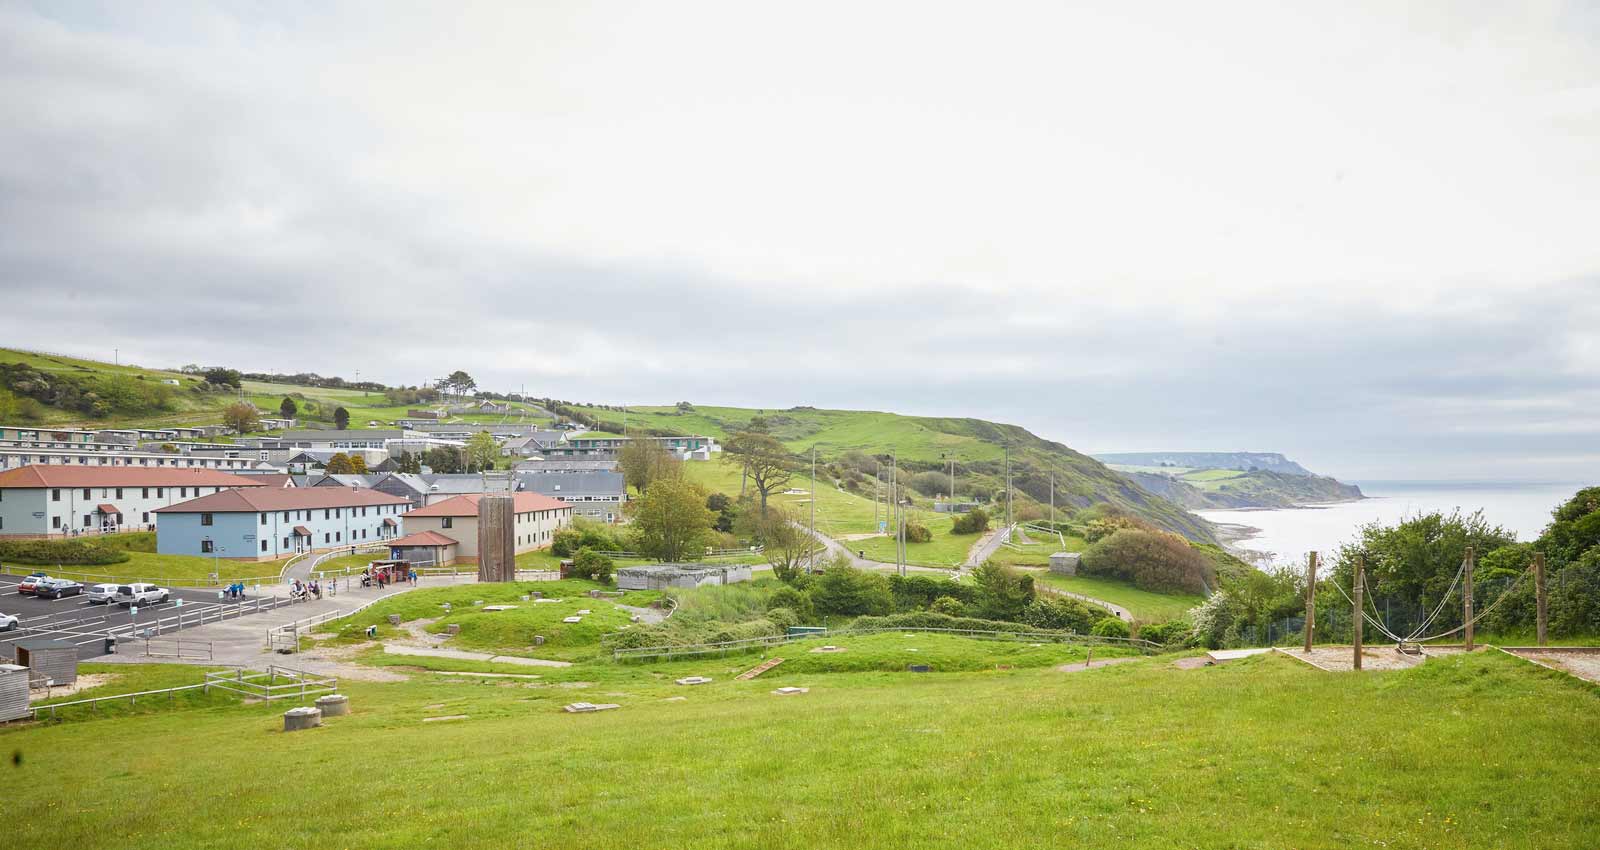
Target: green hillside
column 1203, row 489
column 922, row 443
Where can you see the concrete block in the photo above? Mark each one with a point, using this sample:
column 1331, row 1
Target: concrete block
column 333, row 705
column 303, row 717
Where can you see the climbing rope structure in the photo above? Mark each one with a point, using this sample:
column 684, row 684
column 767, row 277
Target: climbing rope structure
column 1411, row 641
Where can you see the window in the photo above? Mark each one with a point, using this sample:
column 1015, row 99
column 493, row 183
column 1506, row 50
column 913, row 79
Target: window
column 286, row 543
column 55, row 522
column 449, row 522
column 327, row 514
column 88, row 520
column 285, row 516
column 146, row 519
column 161, row 492
column 205, row 519
column 86, row 493
column 338, row 536
column 55, row 495
column 263, row 519
column 205, row 546
column 144, row 492
column 263, row 545
column 119, row 492
column 328, row 538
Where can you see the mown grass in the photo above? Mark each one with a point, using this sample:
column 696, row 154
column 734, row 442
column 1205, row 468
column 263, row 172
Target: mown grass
column 1145, row 605
column 1465, row 752
column 173, row 570
column 1033, row 549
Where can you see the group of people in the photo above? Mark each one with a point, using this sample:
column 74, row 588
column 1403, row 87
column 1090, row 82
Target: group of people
column 305, row 590
column 383, row 578
column 234, row 591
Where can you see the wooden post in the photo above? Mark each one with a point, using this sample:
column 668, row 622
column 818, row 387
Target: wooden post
column 1541, row 601
column 1361, row 580
column 1311, row 596
column 1466, row 601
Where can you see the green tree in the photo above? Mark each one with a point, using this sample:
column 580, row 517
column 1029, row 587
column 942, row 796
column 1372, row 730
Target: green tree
column 642, row 461
column 482, row 451
column 221, row 377
column 846, row 591
column 340, row 464
column 764, row 460
column 592, row 565
column 975, row 521
column 341, row 418
column 458, row 382
column 443, row 460
column 787, row 545
column 241, row 417
column 672, row 521
column 287, row 408
column 358, row 464
column 407, row 463
column 1152, row 560
column 1003, row 592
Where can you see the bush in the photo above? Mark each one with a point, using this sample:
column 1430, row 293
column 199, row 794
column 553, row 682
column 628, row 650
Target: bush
column 847, row 591
column 1170, row 633
column 1152, row 560
column 794, row 600
column 590, row 564
column 783, row 618
column 948, row 606
column 1003, row 592
column 565, row 542
column 1110, row 627
column 933, row 620
column 918, row 591
column 975, row 521
column 60, row 552
column 916, row 532
column 1062, row 614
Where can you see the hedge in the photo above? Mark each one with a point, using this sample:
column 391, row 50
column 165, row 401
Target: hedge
column 60, row 552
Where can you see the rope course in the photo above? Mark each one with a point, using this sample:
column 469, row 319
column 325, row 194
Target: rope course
column 1415, row 636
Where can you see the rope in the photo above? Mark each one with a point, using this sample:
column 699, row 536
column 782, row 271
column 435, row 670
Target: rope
column 1365, row 616
column 1485, row 612
column 1460, row 571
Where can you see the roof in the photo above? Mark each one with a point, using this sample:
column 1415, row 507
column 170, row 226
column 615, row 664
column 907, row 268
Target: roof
column 423, row 538
column 389, row 521
column 574, row 483
column 351, row 480
column 335, row 434
column 62, row 475
column 466, row 483
column 275, row 479
column 267, row 499
column 302, row 531
column 410, row 480
column 467, row 505
column 107, row 508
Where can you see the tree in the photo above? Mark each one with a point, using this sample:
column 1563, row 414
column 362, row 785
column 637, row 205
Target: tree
column 407, row 463
column 458, row 382
column 764, row 460
column 643, row 460
column 481, row 451
column 241, row 417
column 340, row 464
column 341, row 418
column 725, row 508
column 358, row 464
column 975, row 521
column 590, row 564
column 672, row 521
column 787, row 545
column 221, row 377
column 846, row 591
column 1152, row 560
column 1003, row 592
column 443, row 460
column 287, row 408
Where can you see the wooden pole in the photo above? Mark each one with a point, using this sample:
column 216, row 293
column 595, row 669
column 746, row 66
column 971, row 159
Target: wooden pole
column 1311, row 596
column 1541, row 601
column 1466, row 601
column 1361, row 581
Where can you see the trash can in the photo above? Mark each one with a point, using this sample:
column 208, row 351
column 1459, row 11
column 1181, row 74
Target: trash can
column 111, row 645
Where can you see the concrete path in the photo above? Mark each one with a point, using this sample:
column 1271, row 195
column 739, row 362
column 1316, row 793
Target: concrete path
column 986, row 546
column 1122, row 613
column 463, row 655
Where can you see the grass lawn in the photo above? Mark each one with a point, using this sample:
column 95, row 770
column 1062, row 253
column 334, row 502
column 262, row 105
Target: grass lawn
column 1462, row 752
column 1145, row 605
column 1035, row 548
column 945, row 550
column 172, row 570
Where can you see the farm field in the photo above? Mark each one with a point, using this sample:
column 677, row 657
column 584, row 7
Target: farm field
column 1255, row 752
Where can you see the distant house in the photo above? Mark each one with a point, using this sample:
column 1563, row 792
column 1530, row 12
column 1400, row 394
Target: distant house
column 267, row 523
column 355, row 482
column 424, row 547
column 600, row 446
column 413, row 488
column 442, row 487
column 663, row 576
column 40, row 501
column 538, row 518
column 566, row 466
column 595, row 495
column 533, row 444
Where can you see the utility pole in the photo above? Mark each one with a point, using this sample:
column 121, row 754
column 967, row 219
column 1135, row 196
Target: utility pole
column 1361, row 580
column 811, row 545
column 1052, row 497
column 1311, row 596
column 1541, row 603
column 1466, row 600
column 1009, row 499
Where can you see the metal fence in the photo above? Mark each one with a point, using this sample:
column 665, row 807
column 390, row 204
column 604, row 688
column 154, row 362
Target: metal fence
column 297, row 684
column 747, row 644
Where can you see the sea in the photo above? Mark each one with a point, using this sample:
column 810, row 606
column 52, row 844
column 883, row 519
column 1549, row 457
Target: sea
column 1285, row 535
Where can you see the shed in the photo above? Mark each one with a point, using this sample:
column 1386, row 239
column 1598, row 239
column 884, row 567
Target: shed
column 663, row 576
column 424, row 547
column 13, row 692
column 56, row 660
column 1065, row 563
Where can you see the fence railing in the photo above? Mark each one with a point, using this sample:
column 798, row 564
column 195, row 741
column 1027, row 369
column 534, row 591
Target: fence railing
column 297, row 683
column 181, row 619
column 745, row 644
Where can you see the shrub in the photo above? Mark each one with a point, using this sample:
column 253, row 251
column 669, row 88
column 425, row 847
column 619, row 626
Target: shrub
column 916, row 532
column 948, row 606
column 783, row 618
column 1003, row 592
column 847, row 591
column 793, row 599
column 917, row 591
column 1061, row 613
column 565, row 542
column 933, row 620
column 1152, row 560
column 592, row 565
column 975, row 521
column 63, row 552
column 1110, row 627
column 1170, row 633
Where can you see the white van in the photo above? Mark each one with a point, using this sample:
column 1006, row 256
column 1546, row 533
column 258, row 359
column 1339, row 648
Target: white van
column 140, row 594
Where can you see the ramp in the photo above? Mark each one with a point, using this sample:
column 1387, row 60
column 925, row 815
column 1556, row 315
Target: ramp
column 758, row 669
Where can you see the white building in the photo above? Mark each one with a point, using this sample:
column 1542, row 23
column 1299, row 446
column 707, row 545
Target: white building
column 41, row 501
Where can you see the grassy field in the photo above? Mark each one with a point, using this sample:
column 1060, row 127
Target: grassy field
column 1463, row 752
column 1145, row 605
column 1033, row 549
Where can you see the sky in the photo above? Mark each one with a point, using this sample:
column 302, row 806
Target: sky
column 1361, row 234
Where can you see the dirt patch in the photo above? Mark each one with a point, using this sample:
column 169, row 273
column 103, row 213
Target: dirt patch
column 1093, row 665
column 1193, row 662
column 1341, row 658
column 85, row 682
column 1584, row 665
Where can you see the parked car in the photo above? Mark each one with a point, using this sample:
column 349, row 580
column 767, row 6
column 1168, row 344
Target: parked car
column 31, row 583
column 102, row 594
column 140, row 594
column 7, row 622
column 55, row 588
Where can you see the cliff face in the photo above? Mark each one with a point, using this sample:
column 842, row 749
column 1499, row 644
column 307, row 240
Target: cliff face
column 1250, row 490
column 1242, row 461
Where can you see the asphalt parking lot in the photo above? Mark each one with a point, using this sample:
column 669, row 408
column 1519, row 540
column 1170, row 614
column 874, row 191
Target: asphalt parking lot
column 76, row 620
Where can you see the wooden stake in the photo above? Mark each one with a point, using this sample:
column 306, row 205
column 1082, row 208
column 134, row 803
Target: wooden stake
column 1311, row 596
column 1466, row 601
column 1541, row 601
column 1361, row 580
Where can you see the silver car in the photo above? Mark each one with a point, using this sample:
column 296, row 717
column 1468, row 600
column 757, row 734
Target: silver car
column 7, row 622
column 101, row 594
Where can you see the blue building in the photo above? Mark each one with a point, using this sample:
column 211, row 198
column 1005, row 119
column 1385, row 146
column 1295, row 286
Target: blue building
column 268, row 523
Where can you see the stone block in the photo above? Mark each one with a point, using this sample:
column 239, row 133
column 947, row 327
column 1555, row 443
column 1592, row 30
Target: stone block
column 296, row 719
column 333, row 705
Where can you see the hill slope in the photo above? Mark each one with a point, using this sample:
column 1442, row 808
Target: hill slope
column 1243, row 461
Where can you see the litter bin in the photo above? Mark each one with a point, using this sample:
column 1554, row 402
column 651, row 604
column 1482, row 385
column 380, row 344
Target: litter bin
column 111, row 645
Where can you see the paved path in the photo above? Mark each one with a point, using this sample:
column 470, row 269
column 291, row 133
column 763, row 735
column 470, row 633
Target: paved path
column 463, row 655
column 986, row 546
column 834, row 547
column 1124, row 614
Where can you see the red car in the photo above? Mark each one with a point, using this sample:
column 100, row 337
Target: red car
column 30, row 584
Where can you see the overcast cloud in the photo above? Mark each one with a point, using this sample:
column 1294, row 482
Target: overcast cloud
column 1360, row 234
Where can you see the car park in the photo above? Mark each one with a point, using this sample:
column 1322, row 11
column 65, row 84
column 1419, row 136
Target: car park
column 30, row 583
column 140, row 593
column 8, row 622
column 55, row 588
column 101, row 594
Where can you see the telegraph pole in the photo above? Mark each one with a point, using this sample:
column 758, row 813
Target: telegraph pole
column 1311, row 596
column 812, row 543
column 1466, row 600
column 1361, row 580
column 1009, row 499
column 1541, row 603
column 1052, row 498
